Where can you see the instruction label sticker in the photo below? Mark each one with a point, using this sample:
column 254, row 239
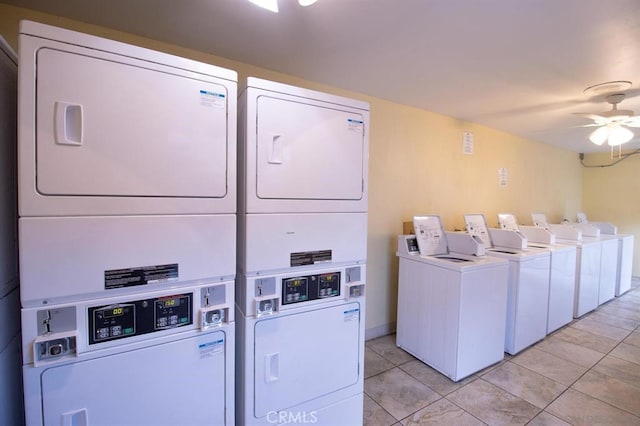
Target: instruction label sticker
column 211, row 348
column 212, row 99
column 355, row 125
column 130, row 277
column 467, row 143
column 310, row 257
column 502, row 177
column 351, row 314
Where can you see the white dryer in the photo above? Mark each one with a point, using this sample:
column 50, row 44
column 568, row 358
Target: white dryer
column 562, row 276
column 302, row 241
column 451, row 307
column 528, row 293
column 125, row 150
column 625, row 253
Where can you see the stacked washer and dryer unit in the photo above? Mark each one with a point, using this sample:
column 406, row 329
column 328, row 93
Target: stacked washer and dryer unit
column 302, row 240
column 10, row 380
column 126, row 233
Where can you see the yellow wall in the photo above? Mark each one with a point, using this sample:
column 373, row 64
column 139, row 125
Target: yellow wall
column 416, row 167
column 612, row 194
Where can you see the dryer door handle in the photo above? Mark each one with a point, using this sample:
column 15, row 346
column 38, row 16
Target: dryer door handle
column 75, row 418
column 274, row 155
column 272, row 367
column 68, row 123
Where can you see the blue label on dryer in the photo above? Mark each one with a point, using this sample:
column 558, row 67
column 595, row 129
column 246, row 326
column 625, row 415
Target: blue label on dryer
column 206, row 92
column 211, row 348
column 351, row 314
column 355, row 125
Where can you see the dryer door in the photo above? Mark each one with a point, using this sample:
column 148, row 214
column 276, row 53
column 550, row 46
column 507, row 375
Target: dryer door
column 309, row 152
column 176, row 383
column 112, row 126
column 303, row 356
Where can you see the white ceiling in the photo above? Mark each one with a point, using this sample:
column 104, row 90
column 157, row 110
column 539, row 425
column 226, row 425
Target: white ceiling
column 516, row 65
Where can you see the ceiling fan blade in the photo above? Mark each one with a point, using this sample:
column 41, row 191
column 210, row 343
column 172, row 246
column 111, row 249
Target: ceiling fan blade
column 586, row 125
column 632, row 124
column 595, row 117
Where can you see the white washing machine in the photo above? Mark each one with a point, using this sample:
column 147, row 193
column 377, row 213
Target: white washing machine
column 10, row 380
column 302, row 240
column 625, row 263
column 608, row 260
column 588, row 251
column 625, row 252
column 126, row 193
column 152, row 358
column 528, row 292
column 451, row 307
column 562, row 275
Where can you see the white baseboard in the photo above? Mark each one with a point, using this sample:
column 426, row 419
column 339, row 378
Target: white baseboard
column 379, row 331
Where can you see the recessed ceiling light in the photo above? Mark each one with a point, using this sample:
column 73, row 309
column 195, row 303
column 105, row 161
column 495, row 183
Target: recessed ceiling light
column 271, row 5
column 306, row 2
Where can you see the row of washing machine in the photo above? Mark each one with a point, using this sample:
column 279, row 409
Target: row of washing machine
column 169, row 275
column 466, row 298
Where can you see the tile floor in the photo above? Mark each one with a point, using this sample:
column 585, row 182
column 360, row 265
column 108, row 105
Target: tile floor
column 587, row 373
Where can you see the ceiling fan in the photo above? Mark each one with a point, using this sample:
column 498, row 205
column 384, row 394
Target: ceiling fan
column 612, row 125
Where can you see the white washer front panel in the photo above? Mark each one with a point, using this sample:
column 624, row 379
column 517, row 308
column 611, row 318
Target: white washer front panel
column 561, row 287
column 625, row 263
column 304, row 356
column 587, row 277
column 181, row 382
column 70, row 257
column 452, row 320
column 608, row 268
column 271, row 239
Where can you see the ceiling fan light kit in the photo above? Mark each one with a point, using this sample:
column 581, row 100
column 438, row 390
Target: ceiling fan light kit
column 613, row 123
column 600, row 135
column 614, row 134
column 619, row 135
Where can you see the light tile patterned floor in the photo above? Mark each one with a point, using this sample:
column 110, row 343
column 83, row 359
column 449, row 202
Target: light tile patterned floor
column 587, row 373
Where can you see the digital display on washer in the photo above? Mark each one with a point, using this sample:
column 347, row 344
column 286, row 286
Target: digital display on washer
column 310, row 287
column 133, row 318
column 114, row 312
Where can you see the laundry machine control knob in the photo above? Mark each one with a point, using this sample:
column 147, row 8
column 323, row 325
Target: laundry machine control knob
column 55, row 350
